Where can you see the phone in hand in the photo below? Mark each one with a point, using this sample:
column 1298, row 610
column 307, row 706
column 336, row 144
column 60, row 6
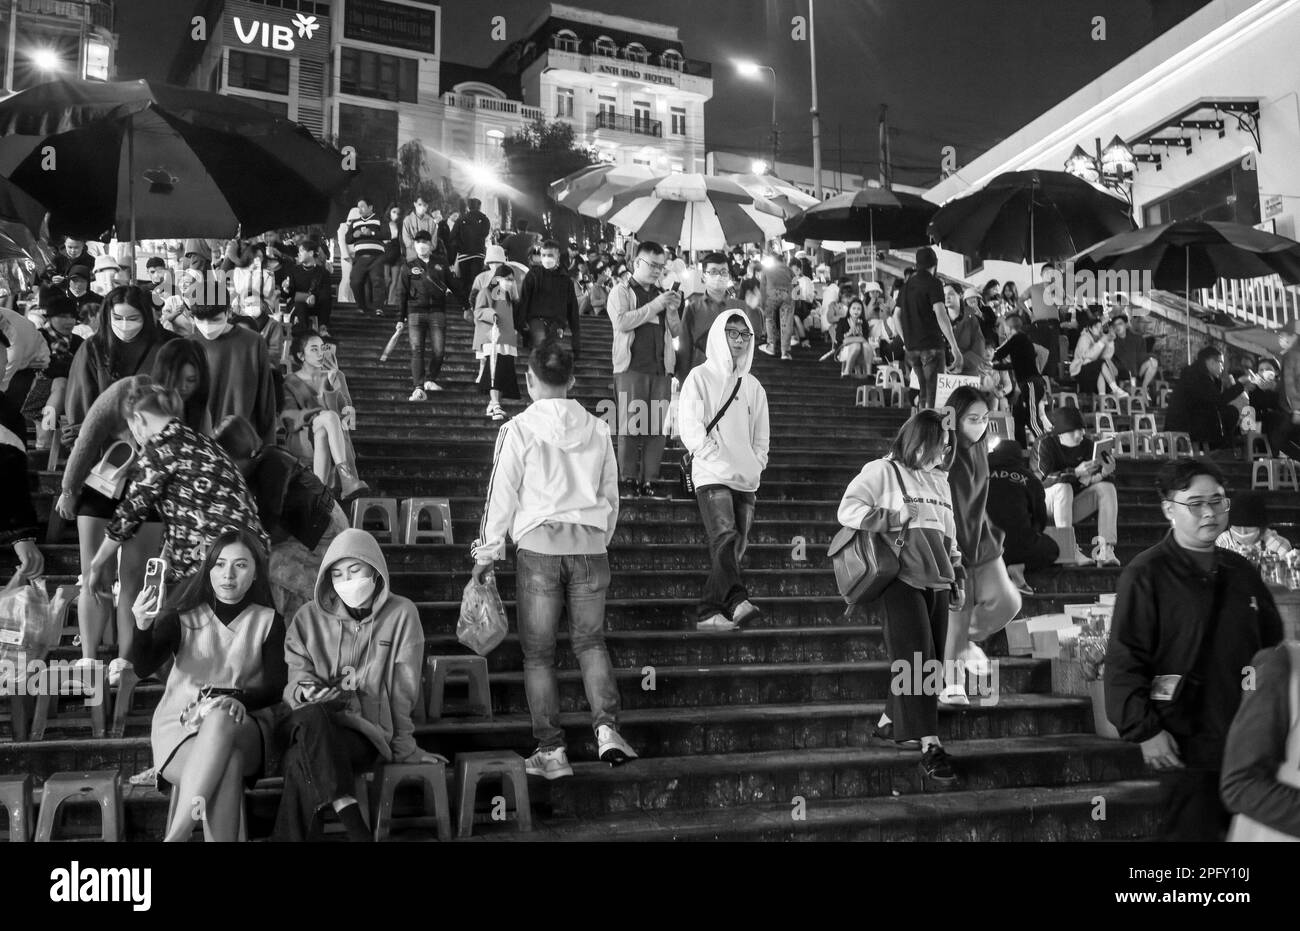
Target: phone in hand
column 155, row 574
column 328, row 357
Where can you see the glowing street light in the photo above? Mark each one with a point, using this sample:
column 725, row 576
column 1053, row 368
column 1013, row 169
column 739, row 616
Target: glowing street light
column 758, row 166
column 46, row 59
column 752, row 69
column 481, row 175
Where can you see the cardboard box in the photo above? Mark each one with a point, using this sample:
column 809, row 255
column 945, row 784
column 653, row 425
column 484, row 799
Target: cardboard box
column 1020, row 631
column 1049, row 644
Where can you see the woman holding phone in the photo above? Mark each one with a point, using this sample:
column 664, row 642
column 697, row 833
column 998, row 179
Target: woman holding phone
column 212, row 730
column 318, row 414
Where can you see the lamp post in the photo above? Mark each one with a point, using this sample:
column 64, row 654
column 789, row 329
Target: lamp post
column 816, row 117
column 1112, row 167
column 750, row 69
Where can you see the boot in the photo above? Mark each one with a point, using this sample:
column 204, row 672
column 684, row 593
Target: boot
column 352, row 486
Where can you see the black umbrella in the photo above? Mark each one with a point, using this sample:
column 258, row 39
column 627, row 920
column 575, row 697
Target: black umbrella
column 162, row 162
column 868, row 215
column 1190, row 254
column 1034, row 216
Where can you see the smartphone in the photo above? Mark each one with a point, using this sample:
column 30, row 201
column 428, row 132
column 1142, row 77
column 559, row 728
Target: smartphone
column 328, row 357
column 677, row 286
column 155, row 573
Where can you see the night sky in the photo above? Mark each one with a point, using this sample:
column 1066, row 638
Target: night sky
column 965, row 73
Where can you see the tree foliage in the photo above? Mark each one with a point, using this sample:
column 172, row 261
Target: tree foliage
column 537, row 155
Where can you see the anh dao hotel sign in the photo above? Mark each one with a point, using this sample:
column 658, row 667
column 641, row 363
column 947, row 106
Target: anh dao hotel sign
column 259, row 32
column 648, row 76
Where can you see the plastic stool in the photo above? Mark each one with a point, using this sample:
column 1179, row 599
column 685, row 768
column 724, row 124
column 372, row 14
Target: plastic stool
column 1125, row 445
column 1258, row 447
column 1061, row 397
column 17, row 716
column 103, row 787
column 1263, row 475
column 1171, row 444
column 412, row 508
column 54, row 680
column 243, row 815
column 1162, row 396
column 1285, row 477
column 361, row 509
column 16, row 797
column 1104, row 422
column 897, row 396
column 126, row 684
column 889, row 375
column 1145, row 423
column 1108, row 404
column 442, row 668
column 1135, row 406
column 1144, row 445
column 437, row 809
column 472, row 767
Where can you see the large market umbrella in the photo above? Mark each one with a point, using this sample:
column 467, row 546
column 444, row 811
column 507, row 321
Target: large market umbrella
column 159, row 162
column 694, row 211
column 592, row 187
column 19, row 207
column 1190, row 254
column 869, row 215
column 1029, row 216
column 785, row 195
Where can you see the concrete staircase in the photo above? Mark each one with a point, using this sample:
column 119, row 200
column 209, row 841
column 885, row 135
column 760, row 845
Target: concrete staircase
column 760, row 734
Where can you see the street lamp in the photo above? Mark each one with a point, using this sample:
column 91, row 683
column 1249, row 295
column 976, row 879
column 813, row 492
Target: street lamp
column 750, row 69
column 758, row 166
column 46, row 59
column 1111, row 168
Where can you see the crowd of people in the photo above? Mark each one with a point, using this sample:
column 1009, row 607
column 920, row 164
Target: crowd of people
column 217, row 434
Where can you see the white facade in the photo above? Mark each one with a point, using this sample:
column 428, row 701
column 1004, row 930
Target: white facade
column 1230, row 51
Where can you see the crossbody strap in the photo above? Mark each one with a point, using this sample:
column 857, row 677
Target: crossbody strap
column 902, row 487
column 718, row 416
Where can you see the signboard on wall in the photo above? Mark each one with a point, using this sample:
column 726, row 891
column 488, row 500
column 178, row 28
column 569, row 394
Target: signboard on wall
column 1273, row 205
column 857, row 261
column 257, row 28
column 395, row 24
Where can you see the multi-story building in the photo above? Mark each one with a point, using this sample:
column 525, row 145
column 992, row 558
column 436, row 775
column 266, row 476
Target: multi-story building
column 44, row 39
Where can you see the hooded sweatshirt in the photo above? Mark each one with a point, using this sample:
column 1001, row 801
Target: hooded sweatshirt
column 382, row 653
column 1016, row 504
column 554, row 484
column 968, row 477
column 734, row 454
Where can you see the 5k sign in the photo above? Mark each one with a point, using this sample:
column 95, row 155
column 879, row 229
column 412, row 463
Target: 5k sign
column 275, row 35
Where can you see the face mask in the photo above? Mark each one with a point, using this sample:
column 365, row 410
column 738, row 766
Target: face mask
column 423, row 253
column 548, row 262
column 127, row 331
column 253, row 310
column 210, row 329
column 355, row 592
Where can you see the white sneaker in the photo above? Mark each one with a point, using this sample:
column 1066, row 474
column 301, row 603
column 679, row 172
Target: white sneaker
column 767, row 349
column 611, row 747
column 744, row 612
column 116, row 668
column 418, row 395
column 1121, row 393
column 549, row 764
column 974, row 660
column 432, row 386
column 953, row 695
column 496, row 412
column 1082, row 559
column 715, row 622
column 1106, row 555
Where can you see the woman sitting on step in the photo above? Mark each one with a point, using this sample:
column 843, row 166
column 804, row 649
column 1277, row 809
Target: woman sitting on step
column 355, row 655
column 318, row 414
column 906, row 495
column 212, row 730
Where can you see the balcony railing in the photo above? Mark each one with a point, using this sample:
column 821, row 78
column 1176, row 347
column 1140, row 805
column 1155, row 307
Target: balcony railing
column 492, row 105
column 1259, row 301
column 620, row 122
column 101, row 11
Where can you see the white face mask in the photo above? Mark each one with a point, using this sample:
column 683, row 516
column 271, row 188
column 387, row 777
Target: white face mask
column 210, row 329
column 253, row 310
column 127, row 330
column 549, row 262
column 355, row 592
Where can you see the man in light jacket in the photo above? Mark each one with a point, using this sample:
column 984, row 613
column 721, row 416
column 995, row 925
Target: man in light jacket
column 554, row 490
column 727, row 462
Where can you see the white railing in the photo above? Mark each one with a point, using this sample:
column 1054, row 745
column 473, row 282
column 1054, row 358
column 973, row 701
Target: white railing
column 492, row 105
column 1259, row 301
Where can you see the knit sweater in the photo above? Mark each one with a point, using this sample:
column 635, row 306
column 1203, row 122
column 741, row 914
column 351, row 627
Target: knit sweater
column 241, row 380
column 968, row 478
column 366, row 236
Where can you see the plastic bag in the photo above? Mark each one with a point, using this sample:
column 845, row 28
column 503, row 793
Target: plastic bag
column 483, row 624
column 28, row 628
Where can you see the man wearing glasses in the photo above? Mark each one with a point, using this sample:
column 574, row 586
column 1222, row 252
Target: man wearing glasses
column 645, row 321
column 1188, row 619
column 700, row 312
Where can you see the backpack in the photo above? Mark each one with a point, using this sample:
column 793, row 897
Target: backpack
column 307, row 504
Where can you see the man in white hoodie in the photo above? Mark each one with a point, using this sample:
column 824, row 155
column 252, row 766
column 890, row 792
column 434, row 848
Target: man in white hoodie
column 554, row 489
column 728, row 458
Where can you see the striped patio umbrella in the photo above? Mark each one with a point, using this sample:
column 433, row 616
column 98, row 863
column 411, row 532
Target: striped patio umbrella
column 594, row 186
column 695, row 211
column 785, row 195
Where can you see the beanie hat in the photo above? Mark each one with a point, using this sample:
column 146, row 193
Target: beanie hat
column 1249, row 509
column 1066, row 419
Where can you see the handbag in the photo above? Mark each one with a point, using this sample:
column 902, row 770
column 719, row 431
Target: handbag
column 866, row 561
column 686, row 482
column 1245, row 828
column 193, row 714
column 110, row 474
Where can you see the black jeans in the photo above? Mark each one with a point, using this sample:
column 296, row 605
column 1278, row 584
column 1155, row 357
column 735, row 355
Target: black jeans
column 367, row 281
column 321, row 764
column 727, row 515
column 540, row 329
column 427, row 332
column 469, row 269
column 1191, row 808
column 915, row 626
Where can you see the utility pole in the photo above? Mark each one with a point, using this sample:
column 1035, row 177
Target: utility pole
column 885, row 180
column 816, row 117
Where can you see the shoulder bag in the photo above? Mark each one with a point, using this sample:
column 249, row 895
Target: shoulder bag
column 686, row 482
column 866, row 561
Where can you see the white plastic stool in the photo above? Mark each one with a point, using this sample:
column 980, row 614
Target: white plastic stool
column 1108, row 404
column 387, row 507
column 439, row 531
column 1104, row 422
column 1061, row 397
column 1258, row 447
column 1145, row 423
column 869, row 396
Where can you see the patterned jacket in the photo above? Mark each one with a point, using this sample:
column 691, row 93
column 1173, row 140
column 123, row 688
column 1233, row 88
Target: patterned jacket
column 198, row 491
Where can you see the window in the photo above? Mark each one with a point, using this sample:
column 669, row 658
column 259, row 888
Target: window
column 265, row 73
column 679, row 121
column 494, row 139
column 372, row 132
column 637, row 52
column 641, row 114
column 671, row 59
column 606, row 106
column 641, row 161
column 605, row 46
column 564, row 101
column 566, row 40
column 384, row 77
column 1231, row 194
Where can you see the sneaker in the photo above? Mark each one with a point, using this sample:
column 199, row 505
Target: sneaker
column 116, row 668
column 1121, row 393
column 1106, row 555
column 611, row 747
column 379, row 313
column 884, row 733
column 549, row 764
column 647, row 490
column 954, row 696
column 974, row 660
column 937, row 774
column 1082, row 559
column 432, row 386
column 418, row 395
column 767, row 349
column 628, row 488
column 496, row 413
column 715, row 622
column 786, row 357
column 147, row 778
column 745, row 612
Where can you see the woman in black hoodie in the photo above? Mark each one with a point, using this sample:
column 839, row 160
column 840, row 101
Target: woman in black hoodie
column 991, row 598
column 1017, row 506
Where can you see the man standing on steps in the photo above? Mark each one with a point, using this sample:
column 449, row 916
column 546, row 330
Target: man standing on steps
column 1188, row 620
column 554, row 489
column 468, row 244
column 723, row 421
column 645, row 321
column 422, row 304
column 777, row 280
column 365, row 238
column 420, row 220
column 923, row 318
column 700, row 312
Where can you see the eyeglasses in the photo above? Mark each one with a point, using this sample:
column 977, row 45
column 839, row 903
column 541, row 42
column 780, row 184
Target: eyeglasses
column 721, row 274
column 739, row 336
column 657, row 266
column 1214, row 505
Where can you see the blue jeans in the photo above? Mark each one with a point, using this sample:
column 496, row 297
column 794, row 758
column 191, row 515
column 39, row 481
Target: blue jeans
column 546, row 585
column 727, row 515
